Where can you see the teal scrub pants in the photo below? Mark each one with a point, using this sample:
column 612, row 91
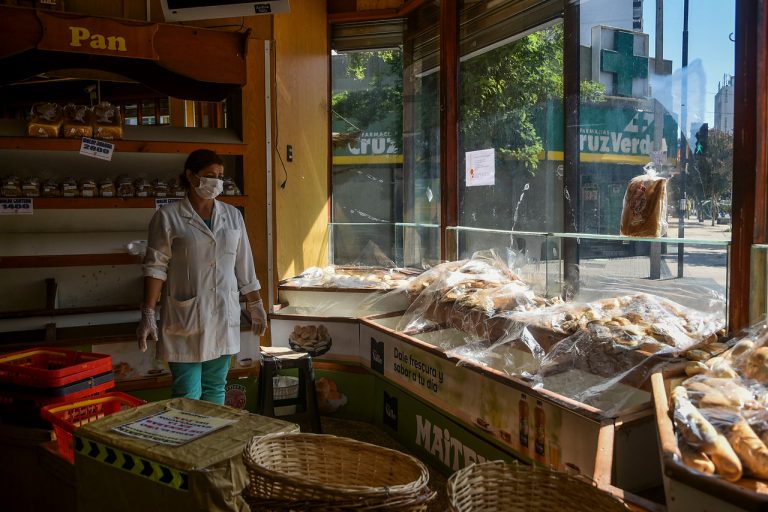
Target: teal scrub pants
column 200, row 381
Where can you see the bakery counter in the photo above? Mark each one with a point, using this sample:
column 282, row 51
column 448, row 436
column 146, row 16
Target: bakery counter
column 542, row 421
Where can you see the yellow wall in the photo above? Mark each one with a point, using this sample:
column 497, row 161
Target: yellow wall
column 301, row 90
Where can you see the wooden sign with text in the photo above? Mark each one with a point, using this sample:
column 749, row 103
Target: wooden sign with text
column 98, row 36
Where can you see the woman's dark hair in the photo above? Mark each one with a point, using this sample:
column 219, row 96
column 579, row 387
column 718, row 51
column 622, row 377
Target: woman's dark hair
column 198, row 160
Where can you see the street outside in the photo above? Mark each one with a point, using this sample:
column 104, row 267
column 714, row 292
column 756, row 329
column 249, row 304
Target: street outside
column 703, row 265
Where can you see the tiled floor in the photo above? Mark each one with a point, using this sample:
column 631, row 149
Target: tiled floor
column 369, row 433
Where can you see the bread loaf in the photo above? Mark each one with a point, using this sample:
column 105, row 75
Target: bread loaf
column 696, row 460
column 645, row 204
column 700, row 433
column 77, row 122
column 757, row 365
column 751, row 450
column 45, row 121
column 107, row 122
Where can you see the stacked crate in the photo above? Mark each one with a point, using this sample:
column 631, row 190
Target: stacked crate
column 33, row 378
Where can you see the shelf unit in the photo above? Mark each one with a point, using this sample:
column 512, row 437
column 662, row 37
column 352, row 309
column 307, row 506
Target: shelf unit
column 80, row 244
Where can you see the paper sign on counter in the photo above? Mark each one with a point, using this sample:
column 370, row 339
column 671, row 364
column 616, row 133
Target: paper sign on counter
column 173, row 427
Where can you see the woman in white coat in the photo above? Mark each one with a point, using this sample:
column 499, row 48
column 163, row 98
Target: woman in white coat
column 198, row 263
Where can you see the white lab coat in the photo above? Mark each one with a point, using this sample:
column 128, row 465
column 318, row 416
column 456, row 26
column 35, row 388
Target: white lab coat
column 205, row 271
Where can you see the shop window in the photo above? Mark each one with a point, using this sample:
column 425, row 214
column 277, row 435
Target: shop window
column 640, row 103
column 385, row 144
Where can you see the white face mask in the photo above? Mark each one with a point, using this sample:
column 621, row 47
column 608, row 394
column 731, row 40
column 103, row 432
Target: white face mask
column 209, row 188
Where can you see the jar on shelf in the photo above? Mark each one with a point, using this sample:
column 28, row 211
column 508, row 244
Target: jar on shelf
column 142, row 187
column 125, row 187
column 175, row 189
column 30, row 186
column 50, row 188
column 160, row 187
column 11, row 186
column 230, row 188
column 88, row 188
column 107, row 188
column 69, row 187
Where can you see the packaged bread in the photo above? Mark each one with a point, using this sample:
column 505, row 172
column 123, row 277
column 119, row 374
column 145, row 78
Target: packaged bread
column 88, row 188
column 699, row 433
column 107, row 121
column 107, row 188
column 175, row 189
column 142, row 188
column 230, row 188
column 45, row 121
column 645, row 206
column 50, row 188
column 125, row 187
column 11, row 186
column 160, row 187
column 77, row 122
column 30, row 187
column 69, row 187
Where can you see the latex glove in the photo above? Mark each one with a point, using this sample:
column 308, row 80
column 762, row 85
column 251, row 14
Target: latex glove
column 147, row 327
column 258, row 316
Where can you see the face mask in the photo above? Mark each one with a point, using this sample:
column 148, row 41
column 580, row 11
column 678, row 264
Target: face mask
column 209, row 187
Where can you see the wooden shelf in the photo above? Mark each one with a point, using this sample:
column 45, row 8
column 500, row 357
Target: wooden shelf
column 68, row 203
column 122, row 146
column 69, row 260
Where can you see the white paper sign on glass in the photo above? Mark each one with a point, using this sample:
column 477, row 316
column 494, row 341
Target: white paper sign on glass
column 16, row 206
column 481, row 167
column 97, row 148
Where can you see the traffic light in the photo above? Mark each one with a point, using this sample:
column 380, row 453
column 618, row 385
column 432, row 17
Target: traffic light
column 701, row 139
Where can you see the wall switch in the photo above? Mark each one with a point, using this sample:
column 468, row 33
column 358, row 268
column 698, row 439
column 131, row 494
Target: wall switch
column 289, row 153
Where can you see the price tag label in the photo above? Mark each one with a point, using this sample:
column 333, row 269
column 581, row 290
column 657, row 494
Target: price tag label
column 97, row 148
column 160, row 202
column 16, row 206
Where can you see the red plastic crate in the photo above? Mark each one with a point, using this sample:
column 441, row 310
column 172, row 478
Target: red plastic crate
column 66, row 417
column 22, row 405
column 51, row 367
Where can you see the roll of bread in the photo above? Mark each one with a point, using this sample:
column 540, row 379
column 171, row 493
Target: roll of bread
column 645, row 204
column 77, row 122
column 11, row 186
column 700, row 433
column 50, row 188
column 696, row 460
column 757, row 365
column 751, row 450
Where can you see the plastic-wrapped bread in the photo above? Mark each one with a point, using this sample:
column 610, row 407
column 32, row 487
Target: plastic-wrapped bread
column 77, row 122
column 69, row 187
column 696, row 460
column 11, row 186
column 700, row 433
column 50, row 188
column 645, row 206
column 88, row 188
column 142, row 188
column 175, row 189
column 107, row 122
column 125, row 187
column 160, row 187
column 107, row 188
column 30, row 187
column 751, row 450
column 45, row 121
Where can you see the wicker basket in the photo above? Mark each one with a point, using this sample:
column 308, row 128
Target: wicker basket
column 324, row 472
column 513, row 487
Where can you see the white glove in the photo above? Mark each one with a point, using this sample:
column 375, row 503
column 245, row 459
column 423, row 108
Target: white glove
column 258, row 316
column 147, row 327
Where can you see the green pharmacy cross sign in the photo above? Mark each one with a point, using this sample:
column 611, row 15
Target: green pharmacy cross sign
column 624, row 63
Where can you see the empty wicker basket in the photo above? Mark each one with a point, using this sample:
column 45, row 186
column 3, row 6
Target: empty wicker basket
column 324, row 472
column 513, row 487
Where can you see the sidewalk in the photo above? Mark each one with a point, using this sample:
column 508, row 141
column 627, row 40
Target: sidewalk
column 696, row 230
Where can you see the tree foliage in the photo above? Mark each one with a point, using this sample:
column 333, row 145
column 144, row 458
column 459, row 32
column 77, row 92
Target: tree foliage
column 712, row 173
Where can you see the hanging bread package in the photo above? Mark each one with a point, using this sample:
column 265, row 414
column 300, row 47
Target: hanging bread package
column 645, row 205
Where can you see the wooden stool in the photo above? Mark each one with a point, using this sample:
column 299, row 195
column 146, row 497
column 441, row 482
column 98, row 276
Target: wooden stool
column 307, row 414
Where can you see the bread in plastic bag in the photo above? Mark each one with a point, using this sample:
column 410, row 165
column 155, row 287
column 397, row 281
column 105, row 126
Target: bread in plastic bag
column 645, row 205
